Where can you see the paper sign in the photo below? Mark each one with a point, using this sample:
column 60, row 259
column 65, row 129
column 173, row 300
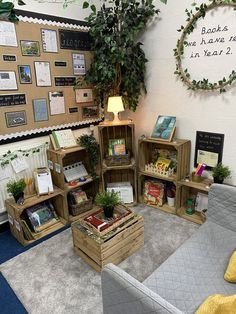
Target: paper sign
column 50, row 164
column 17, row 225
column 57, row 168
column 19, row 164
column 10, row 219
column 4, row 173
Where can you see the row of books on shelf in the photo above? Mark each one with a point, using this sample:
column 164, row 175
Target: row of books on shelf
column 37, row 219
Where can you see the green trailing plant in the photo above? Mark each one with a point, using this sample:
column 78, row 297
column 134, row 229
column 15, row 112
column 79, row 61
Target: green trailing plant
column 7, row 11
column 92, row 148
column 183, row 73
column 119, row 63
column 9, row 156
column 221, row 172
column 107, row 199
column 16, row 187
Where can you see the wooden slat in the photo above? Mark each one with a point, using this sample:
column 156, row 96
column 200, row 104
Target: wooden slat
column 122, row 244
column 125, row 252
column 87, row 259
column 122, row 234
column 196, row 217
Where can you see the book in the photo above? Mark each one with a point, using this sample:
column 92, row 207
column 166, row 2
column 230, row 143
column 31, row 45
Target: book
column 41, row 216
column 117, row 147
column 163, row 163
column 153, row 193
column 64, row 138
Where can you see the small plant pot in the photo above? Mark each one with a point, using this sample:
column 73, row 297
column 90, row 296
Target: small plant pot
column 171, row 201
column 196, row 178
column 108, row 211
column 19, row 198
column 217, row 180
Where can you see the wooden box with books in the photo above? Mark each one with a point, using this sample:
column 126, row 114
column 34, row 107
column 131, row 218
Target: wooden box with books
column 37, row 217
column 118, row 242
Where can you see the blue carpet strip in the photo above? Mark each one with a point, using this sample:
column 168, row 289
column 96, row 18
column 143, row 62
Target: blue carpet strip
column 9, row 248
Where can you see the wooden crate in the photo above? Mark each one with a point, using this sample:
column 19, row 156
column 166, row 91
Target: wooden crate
column 111, row 132
column 65, row 157
column 16, row 214
column 190, row 189
column 114, row 249
column 121, row 175
column 165, row 207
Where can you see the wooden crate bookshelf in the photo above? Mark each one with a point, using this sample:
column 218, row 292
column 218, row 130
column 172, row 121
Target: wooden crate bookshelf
column 121, row 175
column 17, row 212
column 118, row 173
column 112, row 132
column 58, row 159
column 189, row 189
column 146, row 149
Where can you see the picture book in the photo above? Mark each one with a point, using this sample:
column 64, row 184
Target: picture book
column 117, row 147
column 153, row 193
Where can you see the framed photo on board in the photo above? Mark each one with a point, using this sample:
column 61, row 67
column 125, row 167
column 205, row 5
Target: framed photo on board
column 42, row 72
column 164, row 128
column 83, row 95
column 15, row 118
column 90, row 112
column 30, row 48
column 78, row 60
column 49, row 40
column 8, row 80
column 25, row 74
column 40, row 110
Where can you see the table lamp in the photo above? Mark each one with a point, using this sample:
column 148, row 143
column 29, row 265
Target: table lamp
column 115, row 105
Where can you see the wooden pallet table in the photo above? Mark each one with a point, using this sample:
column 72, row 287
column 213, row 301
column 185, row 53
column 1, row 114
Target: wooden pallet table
column 113, row 247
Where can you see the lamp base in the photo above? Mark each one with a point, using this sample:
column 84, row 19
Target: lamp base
column 115, row 121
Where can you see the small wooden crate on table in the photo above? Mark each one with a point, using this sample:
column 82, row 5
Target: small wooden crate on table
column 112, row 246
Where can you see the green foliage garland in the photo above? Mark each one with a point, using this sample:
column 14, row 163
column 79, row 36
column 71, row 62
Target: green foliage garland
column 183, row 74
column 7, row 11
column 9, row 156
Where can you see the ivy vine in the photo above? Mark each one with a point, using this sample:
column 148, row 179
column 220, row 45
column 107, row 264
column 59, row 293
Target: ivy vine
column 9, row 156
column 183, row 74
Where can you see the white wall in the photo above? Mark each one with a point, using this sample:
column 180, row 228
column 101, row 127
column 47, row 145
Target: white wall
column 202, row 111
column 73, row 11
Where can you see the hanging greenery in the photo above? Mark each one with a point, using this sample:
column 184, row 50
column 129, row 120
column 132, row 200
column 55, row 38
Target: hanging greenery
column 9, row 156
column 119, row 63
column 183, row 74
column 7, row 11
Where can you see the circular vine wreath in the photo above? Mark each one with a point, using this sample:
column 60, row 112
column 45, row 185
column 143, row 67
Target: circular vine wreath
column 183, row 74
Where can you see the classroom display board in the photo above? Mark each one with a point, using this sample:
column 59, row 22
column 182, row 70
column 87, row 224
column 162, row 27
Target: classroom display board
column 40, row 63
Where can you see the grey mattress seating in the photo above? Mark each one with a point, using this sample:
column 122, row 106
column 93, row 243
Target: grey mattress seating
column 192, row 273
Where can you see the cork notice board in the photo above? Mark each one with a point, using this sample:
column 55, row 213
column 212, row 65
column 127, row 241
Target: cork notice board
column 19, row 103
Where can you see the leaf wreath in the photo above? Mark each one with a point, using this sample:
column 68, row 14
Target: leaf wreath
column 183, row 74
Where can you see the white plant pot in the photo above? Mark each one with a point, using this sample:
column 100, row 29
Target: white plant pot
column 171, row 201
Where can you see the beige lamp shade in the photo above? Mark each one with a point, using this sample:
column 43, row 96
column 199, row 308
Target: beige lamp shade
column 115, row 105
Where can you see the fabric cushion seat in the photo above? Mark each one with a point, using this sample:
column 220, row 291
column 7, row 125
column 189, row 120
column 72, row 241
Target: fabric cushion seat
column 196, row 270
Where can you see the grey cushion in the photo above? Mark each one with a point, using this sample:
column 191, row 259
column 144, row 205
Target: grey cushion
column 122, row 294
column 196, row 269
column 222, row 205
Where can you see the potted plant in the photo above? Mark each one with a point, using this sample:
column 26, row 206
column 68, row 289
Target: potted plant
column 170, row 193
column 107, row 200
column 92, row 148
column 16, row 188
column 220, row 172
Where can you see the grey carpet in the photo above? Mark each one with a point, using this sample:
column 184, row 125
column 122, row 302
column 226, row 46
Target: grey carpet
column 50, row 278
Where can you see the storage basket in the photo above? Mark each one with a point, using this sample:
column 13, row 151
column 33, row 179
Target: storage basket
column 118, row 160
column 82, row 207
